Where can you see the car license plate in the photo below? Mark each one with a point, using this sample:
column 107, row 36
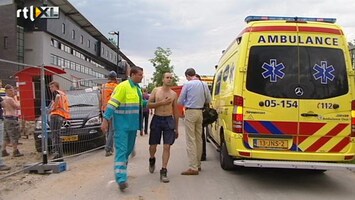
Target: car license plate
column 270, row 143
column 71, row 138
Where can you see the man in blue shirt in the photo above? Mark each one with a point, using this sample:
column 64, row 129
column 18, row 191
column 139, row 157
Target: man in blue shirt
column 194, row 95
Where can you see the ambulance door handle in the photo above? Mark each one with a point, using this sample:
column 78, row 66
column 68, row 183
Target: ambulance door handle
column 309, row 115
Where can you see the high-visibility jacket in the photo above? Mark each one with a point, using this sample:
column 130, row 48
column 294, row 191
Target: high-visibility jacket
column 107, row 90
column 126, row 105
column 62, row 108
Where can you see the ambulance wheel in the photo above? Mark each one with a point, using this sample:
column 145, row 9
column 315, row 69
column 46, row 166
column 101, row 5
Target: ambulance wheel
column 225, row 159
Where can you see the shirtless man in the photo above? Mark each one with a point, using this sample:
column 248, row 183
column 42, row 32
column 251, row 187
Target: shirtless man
column 11, row 124
column 164, row 122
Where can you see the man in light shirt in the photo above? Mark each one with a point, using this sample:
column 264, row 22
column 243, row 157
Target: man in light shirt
column 194, row 95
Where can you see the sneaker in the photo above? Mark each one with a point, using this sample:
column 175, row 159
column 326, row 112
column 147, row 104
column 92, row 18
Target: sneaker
column 4, row 168
column 17, row 153
column 4, row 153
column 151, row 165
column 108, row 153
column 163, row 175
column 122, row 186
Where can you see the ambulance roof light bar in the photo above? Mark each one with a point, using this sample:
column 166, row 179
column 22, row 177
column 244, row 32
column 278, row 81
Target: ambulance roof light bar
column 295, row 19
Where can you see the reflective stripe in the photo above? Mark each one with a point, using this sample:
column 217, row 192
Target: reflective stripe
column 120, row 164
column 129, row 104
column 121, row 171
column 127, row 112
column 115, row 101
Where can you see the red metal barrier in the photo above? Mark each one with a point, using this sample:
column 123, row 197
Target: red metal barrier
column 181, row 108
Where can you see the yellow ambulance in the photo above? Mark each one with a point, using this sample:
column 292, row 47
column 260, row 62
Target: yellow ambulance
column 284, row 92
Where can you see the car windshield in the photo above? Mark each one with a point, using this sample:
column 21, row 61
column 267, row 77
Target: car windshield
column 83, row 99
column 276, row 71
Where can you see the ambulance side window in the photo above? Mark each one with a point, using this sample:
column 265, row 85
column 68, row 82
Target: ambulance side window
column 226, row 73
column 218, row 84
column 231, row 74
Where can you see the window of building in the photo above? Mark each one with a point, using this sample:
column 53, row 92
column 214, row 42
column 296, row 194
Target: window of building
column 55, row 60
column 88, row 43
column 6, row 42
column 102, row 51
column 52, row 59
column 72, row 65
column 73, row 34
column 66, row 64
column 60, row 62
column 63, row 28
column 82, row 39
column 62, row 47
column 55, row 43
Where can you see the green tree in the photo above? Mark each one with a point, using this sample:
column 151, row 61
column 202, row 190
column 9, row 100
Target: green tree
column 150, row 87
column 161, row 62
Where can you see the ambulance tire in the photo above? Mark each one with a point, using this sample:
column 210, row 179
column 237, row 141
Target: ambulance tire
column 225, row 159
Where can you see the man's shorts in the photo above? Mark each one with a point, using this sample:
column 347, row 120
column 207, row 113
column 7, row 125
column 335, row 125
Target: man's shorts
column 11, row 130
column 162, row 125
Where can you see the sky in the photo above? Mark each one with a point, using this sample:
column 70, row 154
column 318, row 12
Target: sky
column 196, row 31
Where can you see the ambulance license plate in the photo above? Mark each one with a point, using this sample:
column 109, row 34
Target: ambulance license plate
column 71, row 138
column 270, row 143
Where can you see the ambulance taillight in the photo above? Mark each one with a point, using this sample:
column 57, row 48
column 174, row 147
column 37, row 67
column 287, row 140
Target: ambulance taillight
column 237, row 118
column 353, row 118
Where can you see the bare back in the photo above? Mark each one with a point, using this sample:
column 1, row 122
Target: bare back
column 159, row 94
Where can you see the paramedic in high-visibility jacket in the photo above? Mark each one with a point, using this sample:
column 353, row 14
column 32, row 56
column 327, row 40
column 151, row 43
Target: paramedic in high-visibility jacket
column 126, row 107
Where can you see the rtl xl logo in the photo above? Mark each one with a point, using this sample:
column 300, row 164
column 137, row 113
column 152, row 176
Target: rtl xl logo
column 46, row 12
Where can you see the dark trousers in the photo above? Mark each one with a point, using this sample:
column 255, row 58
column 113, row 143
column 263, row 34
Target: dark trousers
column 145, row 119
column 203, row 156
column 55, row 125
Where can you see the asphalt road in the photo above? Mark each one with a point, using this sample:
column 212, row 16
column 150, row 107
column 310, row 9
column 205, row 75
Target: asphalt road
column 91, row 177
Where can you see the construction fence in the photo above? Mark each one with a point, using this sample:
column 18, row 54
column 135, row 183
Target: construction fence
column 33, row 133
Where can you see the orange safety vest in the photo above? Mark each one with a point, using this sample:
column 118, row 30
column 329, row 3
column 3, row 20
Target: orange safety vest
column 107, row 90
column 62, row 108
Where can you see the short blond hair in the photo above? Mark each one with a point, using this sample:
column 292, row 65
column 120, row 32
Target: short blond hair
column 55, row 83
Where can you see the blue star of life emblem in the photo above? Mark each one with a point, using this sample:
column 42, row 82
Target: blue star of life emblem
column 273, row 70
column 323, row 72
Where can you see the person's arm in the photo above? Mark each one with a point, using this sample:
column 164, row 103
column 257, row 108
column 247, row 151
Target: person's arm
column 183, row 95
column 117, row 97
column 15, row 104
column 176, row 115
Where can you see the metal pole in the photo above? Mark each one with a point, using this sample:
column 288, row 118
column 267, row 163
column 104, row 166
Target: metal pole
column 44, row 118
column 118, row 51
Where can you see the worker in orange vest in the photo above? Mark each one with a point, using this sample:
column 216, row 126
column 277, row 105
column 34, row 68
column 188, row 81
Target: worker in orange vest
column 106, row 92
column 59, row 111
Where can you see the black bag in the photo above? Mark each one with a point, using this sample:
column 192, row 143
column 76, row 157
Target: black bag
column 210, row 115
